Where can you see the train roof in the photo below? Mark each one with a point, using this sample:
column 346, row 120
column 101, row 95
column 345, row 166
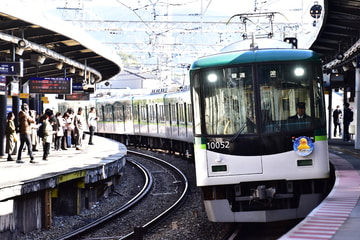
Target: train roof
column 255, row 56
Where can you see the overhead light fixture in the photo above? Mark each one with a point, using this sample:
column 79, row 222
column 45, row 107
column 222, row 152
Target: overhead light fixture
column 19, row 51
column 22, row 43
column 72, row 70
column 81, row 73
column 41, row 59
column 339, row 56
column 354, row 63
column 345, row 68
column 59, row 65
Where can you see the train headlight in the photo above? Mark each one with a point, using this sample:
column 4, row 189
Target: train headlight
column 212, row 77
column 303, row 146
column 299, row 71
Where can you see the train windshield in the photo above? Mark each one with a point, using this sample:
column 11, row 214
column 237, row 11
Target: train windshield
column 254, row 98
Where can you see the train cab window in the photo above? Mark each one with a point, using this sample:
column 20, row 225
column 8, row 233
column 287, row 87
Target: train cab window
column 228, row 101
column 234, row 101
column 283, row 87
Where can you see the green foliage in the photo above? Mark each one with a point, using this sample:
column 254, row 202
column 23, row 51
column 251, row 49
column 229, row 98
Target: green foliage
column 129, row 60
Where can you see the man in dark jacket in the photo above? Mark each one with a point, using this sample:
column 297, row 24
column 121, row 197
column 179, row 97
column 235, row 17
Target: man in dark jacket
column 336, row 119
column 300, row 111
column 25, row 121
column 348, row 118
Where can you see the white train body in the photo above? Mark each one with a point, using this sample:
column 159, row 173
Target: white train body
column 255, row 159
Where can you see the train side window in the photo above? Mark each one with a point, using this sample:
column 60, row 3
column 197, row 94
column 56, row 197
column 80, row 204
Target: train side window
column 136, row 113
column 181, row 113
column 143, row 113
column 118, row 112
column 108, row 113
column 189, row 114
column 127, row 112
column 174, row 113
column 161, row 113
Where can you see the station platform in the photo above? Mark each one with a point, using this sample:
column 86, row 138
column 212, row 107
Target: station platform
column 338, row 216
column 68, row 182
column 15, row 176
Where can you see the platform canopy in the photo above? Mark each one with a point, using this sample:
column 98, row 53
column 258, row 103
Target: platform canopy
column 338, row 41
column 50, row 47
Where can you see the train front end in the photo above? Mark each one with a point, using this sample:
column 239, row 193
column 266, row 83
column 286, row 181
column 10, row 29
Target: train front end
column 261, row 151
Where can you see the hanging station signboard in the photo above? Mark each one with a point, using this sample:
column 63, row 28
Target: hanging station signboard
column 50, row 85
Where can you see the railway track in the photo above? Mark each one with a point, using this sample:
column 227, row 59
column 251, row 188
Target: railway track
column 150, row 167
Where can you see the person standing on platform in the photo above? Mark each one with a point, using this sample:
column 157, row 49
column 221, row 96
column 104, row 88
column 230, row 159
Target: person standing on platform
column 92, row 124
column 59, row 131
column 25, row 121
column 34, row 129
column 69, row 123
column 48, row 133
column 336, row 118
column 79, row 123
column 64, row 140
column 348, row 118
column 10, row 135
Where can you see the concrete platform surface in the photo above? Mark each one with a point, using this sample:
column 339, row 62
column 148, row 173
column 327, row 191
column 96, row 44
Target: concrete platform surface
column 14, row 174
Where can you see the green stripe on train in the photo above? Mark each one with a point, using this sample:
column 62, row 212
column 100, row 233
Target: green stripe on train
column 321, row 138
column 200, row 143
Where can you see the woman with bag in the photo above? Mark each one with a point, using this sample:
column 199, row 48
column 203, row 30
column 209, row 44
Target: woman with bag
column 10, row 135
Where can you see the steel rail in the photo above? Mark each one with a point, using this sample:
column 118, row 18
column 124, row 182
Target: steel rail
column 173, row 207
column 139, row 196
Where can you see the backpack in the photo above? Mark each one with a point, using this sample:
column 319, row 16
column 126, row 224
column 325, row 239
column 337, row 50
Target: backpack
column 40, row 131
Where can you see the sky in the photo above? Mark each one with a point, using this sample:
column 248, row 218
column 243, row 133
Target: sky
column 170, row 33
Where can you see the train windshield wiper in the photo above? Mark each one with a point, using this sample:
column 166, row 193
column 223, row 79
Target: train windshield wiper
column 237, row 134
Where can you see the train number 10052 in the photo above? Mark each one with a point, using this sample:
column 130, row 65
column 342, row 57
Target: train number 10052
column 218, row 145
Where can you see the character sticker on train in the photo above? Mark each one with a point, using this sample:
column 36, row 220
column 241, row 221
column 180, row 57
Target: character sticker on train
column 303, row 146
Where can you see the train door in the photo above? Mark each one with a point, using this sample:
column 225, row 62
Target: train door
column 174, row 120
column 181, row 120
column 136, row 117
column 128, row 115
column 118, row 118
column 161, row 119
column 189, row 121
column 100, row 115
column 153, row 126
column 109, row 117
column 157, row 118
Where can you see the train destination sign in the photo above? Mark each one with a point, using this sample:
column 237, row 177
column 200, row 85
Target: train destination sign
column 50, row 85
column 11, row 69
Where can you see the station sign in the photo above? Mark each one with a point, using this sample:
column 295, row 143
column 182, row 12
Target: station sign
column 77, row 87
column 11, row 69
column 50, row 85
column 78, row 96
